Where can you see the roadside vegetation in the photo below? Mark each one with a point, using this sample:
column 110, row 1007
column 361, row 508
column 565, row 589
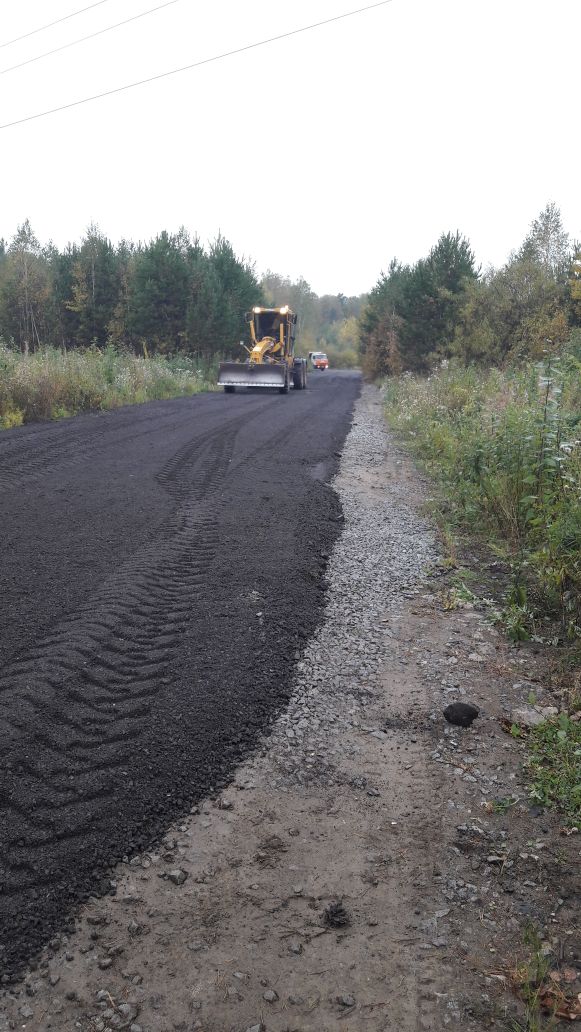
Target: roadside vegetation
column 482, row 382
column 53, row 384
column 505, row 446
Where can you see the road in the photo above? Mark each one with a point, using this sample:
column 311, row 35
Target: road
column 162, row 566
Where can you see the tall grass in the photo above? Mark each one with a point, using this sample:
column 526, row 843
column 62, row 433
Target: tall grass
column 506, row 447
column 52, row 384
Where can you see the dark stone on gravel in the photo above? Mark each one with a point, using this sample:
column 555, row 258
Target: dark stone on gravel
column 463, row 714
column 132, row 678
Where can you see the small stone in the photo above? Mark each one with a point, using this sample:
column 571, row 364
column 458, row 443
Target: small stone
column 296, row 947
column 346, row 1000
column 105, row 963
column 128, row 1011
column 297, row 1001
column 270, row 996
column 225, row 804
column 526, row 716
column 256, row 1028
column 177, row 876
column 53, row 978
column 298, row 890
column 25, row 1011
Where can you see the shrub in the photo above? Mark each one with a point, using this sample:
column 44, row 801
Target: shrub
column 52, row 384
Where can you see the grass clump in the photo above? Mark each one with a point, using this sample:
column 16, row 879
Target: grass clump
column 543, row 986
column 554, row 764
column 54, row 384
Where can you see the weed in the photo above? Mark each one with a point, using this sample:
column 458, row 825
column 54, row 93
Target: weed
column 529, row 982
column 504, row 804
column 554, row 764
column 516, row 621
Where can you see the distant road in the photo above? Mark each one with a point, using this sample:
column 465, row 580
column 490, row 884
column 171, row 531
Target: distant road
column 161, row 566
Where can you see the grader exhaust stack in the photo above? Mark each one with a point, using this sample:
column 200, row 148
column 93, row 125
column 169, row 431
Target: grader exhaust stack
column 271, row 360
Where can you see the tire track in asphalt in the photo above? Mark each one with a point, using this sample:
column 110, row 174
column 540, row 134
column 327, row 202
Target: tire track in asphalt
column 98, row 664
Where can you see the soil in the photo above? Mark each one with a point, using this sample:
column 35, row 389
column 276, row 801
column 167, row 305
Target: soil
column 367, row 866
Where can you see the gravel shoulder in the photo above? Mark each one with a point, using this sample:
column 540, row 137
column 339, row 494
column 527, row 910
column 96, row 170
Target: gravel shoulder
column 360, row 870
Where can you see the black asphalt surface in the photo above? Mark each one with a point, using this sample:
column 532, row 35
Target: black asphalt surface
column 162, row 567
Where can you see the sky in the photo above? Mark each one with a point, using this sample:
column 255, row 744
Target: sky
column 322, row 155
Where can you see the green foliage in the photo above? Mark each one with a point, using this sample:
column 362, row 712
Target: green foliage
column 412, row 311
column 11, row 417
column 554, row 765
column 52, row 384
column 506, row 447
column 441, row 307
column 169, row 295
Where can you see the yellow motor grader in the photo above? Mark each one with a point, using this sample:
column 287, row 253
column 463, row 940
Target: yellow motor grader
column 271, row 358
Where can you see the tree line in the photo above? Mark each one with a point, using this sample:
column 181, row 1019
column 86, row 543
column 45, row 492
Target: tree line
column 444, row 306
column 171, row 295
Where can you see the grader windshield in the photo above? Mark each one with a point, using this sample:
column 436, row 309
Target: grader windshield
column 267, row 324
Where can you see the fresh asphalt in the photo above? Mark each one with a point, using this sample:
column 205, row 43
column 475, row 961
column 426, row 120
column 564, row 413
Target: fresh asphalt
column 162, row 567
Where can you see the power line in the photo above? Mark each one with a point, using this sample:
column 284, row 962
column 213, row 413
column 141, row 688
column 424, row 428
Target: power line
column 83, row 39
column 196, row 64
column 50, row 24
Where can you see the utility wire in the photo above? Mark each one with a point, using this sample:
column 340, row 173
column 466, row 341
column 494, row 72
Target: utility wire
column 196, row 64
column 83, row 39
column 50, row 24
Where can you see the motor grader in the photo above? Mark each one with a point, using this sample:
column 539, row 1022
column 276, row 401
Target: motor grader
column 271, row 358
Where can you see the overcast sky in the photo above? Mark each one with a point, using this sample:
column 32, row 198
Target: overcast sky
column 323, row 155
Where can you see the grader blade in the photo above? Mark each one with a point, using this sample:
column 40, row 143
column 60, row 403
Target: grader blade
column 242, row 374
